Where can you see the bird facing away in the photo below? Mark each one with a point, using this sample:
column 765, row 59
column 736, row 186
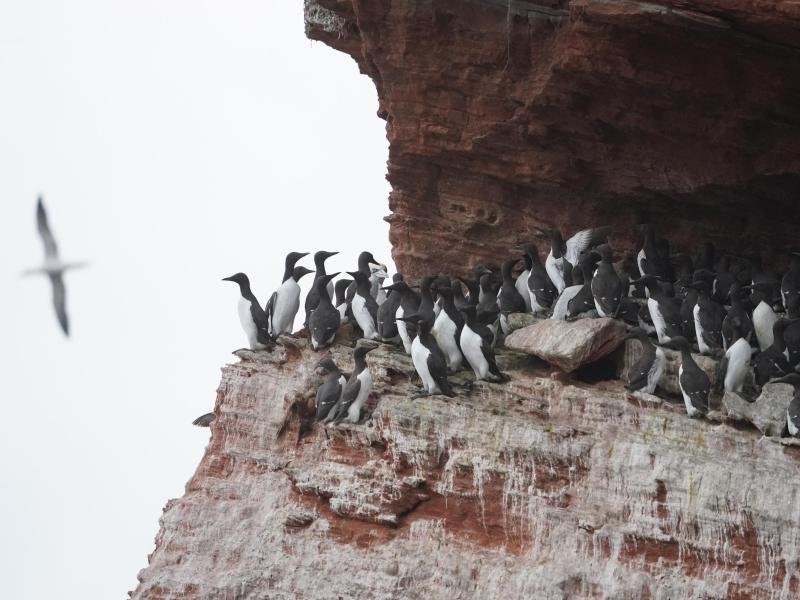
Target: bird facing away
column 329, row 393
column 53, row 267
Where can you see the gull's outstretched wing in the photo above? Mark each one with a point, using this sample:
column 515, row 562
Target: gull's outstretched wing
column 60, row 300
column 50, row 247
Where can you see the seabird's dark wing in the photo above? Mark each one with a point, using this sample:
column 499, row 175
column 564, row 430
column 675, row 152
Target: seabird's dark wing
column 438, row 370
column 349, row 395
column 328, row 395
column 719, row 378
column 269, row 310
column 204, row 420
column 60, row 300
column 50, row 247
column 584, row 240
column 488, row 354
column 637, row 376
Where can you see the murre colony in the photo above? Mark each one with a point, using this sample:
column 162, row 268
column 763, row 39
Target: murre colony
column 736, row 308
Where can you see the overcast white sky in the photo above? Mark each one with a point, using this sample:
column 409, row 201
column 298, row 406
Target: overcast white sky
column 175, row 143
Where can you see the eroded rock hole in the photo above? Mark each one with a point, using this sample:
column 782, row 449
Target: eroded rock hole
column 604, row 369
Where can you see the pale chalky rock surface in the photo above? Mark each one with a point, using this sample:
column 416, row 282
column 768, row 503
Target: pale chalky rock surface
column 533, row 489
column 569, row 344
column 767, row 413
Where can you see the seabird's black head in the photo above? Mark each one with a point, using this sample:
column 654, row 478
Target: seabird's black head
column 293, row 257
column 320, row 258
column 299, row 272
column 677, row 343
column 397, row 278
column 637, row 333
column 364, row 260
column 701, row 285
column 606, row 253
column 362, row 348
column 327, row 365
column 239, row 278
column 508, row 266
column 340, row 289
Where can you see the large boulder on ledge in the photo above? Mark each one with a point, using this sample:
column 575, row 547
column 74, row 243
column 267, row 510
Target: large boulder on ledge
column 569, row 344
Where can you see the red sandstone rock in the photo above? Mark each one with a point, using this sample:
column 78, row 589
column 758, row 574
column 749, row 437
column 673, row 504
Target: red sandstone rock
column 502, row 115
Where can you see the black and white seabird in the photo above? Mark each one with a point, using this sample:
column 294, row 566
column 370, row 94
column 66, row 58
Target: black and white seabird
column 606, row 284
column 366, row 262
column 329, row 393
column 477, row 343
column 736, row 311
column 564, row 257
column 409, row 305
column 340, row 291
column 649, row 259
column 356, row 390
column 645, row 373
column 427, row 305
column 541, row 290
column 509, row 298
column 312, row 297
column 708, row 316
column 325, row 320
column 53, row 267
column 773, row 362
column 284, row 303
column 428, row 358
column 363, row 306
column 693, row 381
column 664, row 312
column 387, row 312
column 793, row 412
column 253, row 318
column 447, row 329
column 734, row 365
column 521, row 283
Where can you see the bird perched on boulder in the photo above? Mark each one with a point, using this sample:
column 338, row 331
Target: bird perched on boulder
column 606, row 284
column 645, row 373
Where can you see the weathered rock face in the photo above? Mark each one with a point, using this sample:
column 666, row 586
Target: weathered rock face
column 507, row 114
column 533, row 489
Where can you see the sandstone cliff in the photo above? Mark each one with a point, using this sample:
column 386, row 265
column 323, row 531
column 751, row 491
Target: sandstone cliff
column 505, row 114
column 540, row 488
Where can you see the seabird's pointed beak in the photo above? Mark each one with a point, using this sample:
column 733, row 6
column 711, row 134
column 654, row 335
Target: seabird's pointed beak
column 227, row 278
